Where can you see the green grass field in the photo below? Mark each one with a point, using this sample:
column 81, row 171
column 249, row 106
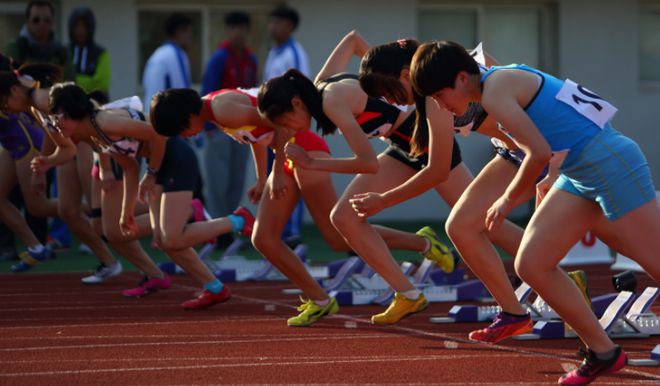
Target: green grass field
column 73, row 261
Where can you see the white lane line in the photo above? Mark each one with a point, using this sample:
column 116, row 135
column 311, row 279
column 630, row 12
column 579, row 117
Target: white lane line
column 238, row 365
column 184, row 343
column 61, row 336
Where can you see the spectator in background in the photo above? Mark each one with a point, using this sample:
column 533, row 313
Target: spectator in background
column 284, row 55
column 91, row 61
column 224, row 160
column 168, row 66
column 36, row 41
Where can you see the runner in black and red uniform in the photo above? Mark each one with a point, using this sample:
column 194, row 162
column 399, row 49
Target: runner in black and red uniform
column 336, row 101
column 234, row 112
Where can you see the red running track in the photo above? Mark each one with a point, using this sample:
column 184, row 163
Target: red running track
column 54, row 330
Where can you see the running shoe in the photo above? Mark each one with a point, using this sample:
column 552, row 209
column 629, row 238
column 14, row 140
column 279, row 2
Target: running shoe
column 103, row 273
column 147, row 286
column 200, row 214
column 400, row 307
column 249, row 220
column 310, row 312
column 438, row 253
column 206, row 299
column 592, row 367
column 503, row 326
column 30, row 259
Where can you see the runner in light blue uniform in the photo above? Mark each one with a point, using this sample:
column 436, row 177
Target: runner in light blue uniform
column 604, row 176
column 602, row 164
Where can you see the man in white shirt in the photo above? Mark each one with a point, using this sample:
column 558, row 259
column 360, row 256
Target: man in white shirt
column 168, row 66
column 287, row 53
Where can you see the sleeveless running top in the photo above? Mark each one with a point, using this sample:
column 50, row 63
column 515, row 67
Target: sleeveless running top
column 243, row 134
column 378, row 116
column 124, row 146
column 567, row 114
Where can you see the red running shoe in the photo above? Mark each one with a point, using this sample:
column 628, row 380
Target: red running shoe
column 592, row 367
column 249, row 220
column 504, row 326
column 206, row 299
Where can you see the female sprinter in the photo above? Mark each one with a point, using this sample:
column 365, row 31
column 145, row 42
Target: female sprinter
column 544, row 115
column 167, row 186
column 337, row 101
column 17, row 94
column 183, row 111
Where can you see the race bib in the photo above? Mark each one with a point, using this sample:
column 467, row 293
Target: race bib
column 478, row 54
column 585, row 102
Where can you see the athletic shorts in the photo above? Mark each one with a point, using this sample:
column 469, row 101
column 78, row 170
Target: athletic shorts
column 179, row 171
column 418, row 163
column 309, row 141
column 612, row 171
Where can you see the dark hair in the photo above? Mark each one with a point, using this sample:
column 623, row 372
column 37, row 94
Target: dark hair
column 275, row 96
column 45, row 74
column 436, row 65
column 237, row 18
column 381, row 67
column 176, row 22
column 100, row 96
column 288, row 13
column 38, row 3
column 171, row 110
column 380, row 70
column 70, row 99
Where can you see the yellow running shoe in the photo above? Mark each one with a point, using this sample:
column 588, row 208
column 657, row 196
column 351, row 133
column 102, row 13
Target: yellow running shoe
column 438, row 253
column 311, row 312
column 580, row 279
column 400, row 307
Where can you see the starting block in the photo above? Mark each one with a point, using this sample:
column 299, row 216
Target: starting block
column 538, row 309
column 654, row 359
column 625, row 317
column 364, row 288
column 425, row 279
column 237, row 268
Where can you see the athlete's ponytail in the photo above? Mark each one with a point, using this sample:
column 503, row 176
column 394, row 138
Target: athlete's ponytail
column 381, row 68
column 274, row 98
column 420, row 136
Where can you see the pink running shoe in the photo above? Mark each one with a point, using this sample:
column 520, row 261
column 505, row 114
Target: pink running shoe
column 147, row 286
column 200, row 214
column 592, row 367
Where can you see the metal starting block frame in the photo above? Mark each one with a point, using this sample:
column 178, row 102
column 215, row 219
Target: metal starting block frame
column 425, row 279
column 627, row 316
column 538, row 309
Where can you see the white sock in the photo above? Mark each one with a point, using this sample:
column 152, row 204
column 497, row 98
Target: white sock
column 413, row 294
column 36, row 248
column 322, row 303
column 427, row 247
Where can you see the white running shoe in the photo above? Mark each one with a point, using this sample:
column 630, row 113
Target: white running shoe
column 103, row 273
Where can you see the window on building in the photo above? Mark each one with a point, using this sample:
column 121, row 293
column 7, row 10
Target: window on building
column 511, row 32
column 649, row 43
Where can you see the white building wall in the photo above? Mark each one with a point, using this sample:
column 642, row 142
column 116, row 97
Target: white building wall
column 599, row 48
